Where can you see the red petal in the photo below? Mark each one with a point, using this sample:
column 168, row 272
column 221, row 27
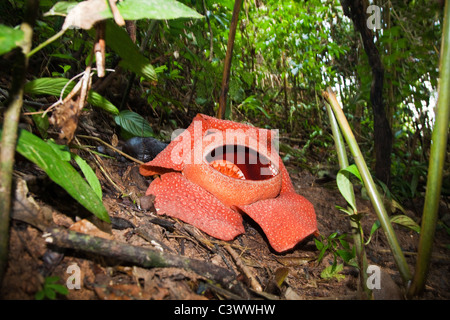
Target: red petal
column 179, row 198
column 286, row 220
column 171, row 156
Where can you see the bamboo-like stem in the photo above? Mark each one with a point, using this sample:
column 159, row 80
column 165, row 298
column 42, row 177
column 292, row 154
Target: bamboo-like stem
column 374, row 196
column 436, row 165
column 9, row 135
column 358, row 237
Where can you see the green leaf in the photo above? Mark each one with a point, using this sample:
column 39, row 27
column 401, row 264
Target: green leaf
column 402, row 220
column 51, row 279
column 405, row 221
column 39, row 295
column 344, row 244
column 9, row 38
column 49, row 293
column 319, row 244
column 346, row 255
column 333, row 272
column 59, row 288
column 61, row 172
column 119, row 40
column 61, row 8
column 332, row 236
column 50, row 86
column 375, row 227
column 134, row 124
column 101, row 102
column 154, row 9
column 62, row 151
column 54, row 86
column 346, row 187
column 89, row 174
column 354, row 170
column 347, row 211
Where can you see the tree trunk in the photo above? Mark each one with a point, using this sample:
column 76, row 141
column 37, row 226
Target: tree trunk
column 228, row 57
column 356, row 11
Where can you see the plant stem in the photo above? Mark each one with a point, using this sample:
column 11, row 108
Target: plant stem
column 45, row 43
column 10, row 124
column 357, row 233
column 228, row 58
column 436, row 165
column 370, row 186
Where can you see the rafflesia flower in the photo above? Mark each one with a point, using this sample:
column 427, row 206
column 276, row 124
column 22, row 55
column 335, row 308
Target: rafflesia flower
column 216, row 170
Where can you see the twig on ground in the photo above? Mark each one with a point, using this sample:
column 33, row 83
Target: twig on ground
column 143, row 257
column 248, row 273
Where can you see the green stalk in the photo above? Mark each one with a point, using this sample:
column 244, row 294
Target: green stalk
column 436, row 165
column 357, row 233
column 375, row 198
column 46, row 43
column 10, row 124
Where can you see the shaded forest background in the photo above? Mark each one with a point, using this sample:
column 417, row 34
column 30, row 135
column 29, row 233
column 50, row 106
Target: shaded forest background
column 285, row 54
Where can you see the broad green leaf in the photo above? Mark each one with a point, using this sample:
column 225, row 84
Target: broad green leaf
column 332, row 271
column 154, row 9
column 54, row 86
column 319, row 244
column 346, row 255
column 59, row 288
column 89, row 174
column 344, row 244
column 9, row 38
column 346, row 187
column 136, row 9
column 51, row 279
column 402, row 220
column 61, row 8
column 119, row 40
column 354, row 170
column 134, row 124
column 406, row 222
column 61, row 172
column 347, row 211
column 50, row 293
column 101, row 102
column 62, row 151
column 50, row 86
column 39, row 295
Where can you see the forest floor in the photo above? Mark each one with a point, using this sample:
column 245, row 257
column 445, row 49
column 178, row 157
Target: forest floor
column 31, row 259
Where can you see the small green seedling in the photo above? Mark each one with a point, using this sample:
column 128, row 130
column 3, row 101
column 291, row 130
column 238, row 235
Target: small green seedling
column 337, row 245
column 50, row 289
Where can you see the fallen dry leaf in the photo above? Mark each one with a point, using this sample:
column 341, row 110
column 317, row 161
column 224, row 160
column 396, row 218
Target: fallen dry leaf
column 85, row 14
column 65, row 119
